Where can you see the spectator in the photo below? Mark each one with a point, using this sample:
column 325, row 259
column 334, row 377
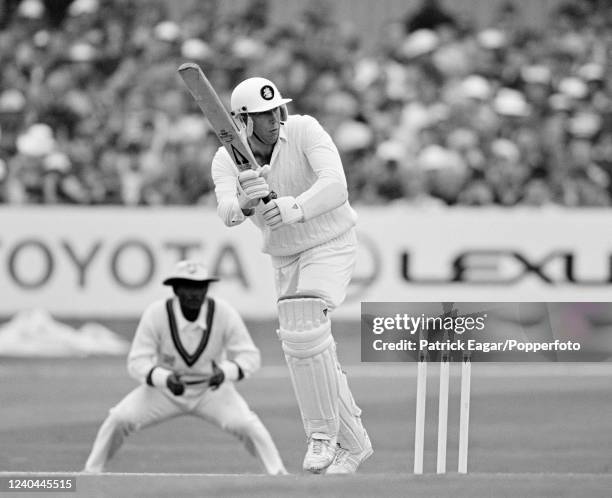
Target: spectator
column 522, row 117
column 429, row 15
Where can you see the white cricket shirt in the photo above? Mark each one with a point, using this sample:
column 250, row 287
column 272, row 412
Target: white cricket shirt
column 304, row 161
column 217, row 334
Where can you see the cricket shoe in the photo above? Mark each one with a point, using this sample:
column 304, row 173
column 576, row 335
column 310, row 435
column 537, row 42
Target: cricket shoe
column 320, row 454
column 347, row 462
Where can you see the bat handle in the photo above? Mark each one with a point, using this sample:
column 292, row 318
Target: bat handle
column 271, row 196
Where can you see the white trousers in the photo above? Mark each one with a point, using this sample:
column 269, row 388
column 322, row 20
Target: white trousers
column 325, row 271
column 146, row 406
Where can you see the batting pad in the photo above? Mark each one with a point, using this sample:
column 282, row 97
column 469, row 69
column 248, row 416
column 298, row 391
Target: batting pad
column 310, row 351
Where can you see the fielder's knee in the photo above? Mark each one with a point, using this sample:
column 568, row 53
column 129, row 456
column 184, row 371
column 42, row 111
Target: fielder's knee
column 120, row 422
column 239, row 422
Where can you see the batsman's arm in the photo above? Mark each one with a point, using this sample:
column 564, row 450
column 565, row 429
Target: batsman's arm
column 225, row 179
column 330, row 189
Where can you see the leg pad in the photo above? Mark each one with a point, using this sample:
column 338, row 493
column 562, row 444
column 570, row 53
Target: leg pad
column 310, row 351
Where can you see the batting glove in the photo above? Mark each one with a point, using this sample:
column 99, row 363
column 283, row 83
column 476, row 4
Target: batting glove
column 264, row 171
column 282, row 211
column 217, row 378
column 252, row 187
column 175, row 384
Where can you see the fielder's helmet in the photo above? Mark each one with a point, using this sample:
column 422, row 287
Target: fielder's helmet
column 257, row 95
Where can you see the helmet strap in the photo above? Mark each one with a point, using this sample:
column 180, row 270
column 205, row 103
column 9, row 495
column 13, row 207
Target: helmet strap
column 249, row 126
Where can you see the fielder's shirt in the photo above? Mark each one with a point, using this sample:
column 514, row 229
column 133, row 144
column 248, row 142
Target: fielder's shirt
column 217, row 334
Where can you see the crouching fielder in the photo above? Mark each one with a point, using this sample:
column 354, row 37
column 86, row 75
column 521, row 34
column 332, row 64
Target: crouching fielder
column 309, row 232
column 187, row 353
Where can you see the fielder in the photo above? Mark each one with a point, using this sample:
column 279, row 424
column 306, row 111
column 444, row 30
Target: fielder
column 308, row 230
column 187, row 353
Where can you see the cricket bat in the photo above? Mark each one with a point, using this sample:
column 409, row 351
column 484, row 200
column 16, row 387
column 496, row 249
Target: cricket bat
column 223, row 125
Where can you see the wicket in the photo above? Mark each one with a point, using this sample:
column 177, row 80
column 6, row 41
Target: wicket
column 419, row 433
column 464, row 415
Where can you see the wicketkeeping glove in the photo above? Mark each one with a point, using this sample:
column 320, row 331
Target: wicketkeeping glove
column 217, row 378
column 282, row 211
column 175, row 384
column 252, row 187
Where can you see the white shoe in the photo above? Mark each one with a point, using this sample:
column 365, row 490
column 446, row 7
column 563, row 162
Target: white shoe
column 347, row 462
column 320, row 454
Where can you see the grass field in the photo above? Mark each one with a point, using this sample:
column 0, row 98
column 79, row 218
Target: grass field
column 535, row 430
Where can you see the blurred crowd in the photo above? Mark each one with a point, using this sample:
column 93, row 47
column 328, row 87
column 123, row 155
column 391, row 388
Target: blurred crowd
column 436, row 112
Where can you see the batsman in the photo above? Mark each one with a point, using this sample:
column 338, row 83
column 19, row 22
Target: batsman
column 308, row 229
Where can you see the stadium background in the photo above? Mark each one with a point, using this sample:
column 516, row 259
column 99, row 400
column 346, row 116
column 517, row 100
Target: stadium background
column 483, row 131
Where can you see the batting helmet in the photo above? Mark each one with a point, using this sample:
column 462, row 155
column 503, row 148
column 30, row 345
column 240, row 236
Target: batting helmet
column 257, row 95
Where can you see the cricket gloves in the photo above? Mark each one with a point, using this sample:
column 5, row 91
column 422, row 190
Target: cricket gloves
column 252, row 187
column 217, row 378
column 162, row 377
column 175, row 384
column 282, row 211
column 226, row 370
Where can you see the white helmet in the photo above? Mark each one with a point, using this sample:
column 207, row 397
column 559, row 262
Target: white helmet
column 257, row 95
